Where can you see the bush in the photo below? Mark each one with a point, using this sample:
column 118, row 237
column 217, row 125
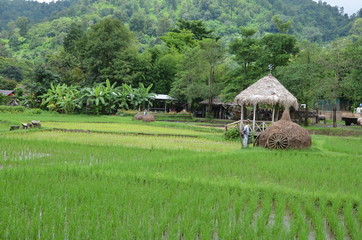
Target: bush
column 232, row 134
column 173, row 116
column 123, row 113
column 12, row 109
column 35, row 111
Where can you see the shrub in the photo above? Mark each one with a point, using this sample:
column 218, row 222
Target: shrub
column 123, row 113
column 35, row 111
column 12, row 109
column 232, row 134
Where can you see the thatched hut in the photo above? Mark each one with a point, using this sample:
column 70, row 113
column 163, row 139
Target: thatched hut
column 285, row 134
column 267, row 90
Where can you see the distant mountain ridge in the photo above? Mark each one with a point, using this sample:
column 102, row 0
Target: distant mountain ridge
column 316, row 21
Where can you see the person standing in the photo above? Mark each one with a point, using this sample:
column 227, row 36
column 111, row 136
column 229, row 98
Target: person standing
column 246, row 133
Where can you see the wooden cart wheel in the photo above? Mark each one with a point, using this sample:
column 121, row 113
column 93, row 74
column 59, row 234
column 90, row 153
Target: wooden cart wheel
column 256, row 141
column 278, row 141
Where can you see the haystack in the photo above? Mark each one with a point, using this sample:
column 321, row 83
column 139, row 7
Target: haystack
column 148, row 118
column 138, row 116
column 285, row 134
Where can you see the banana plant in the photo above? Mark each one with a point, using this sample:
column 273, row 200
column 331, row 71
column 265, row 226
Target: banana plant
column 61, row 98
column 144, row 96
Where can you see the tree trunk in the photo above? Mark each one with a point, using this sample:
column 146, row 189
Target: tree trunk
column 335, row 115
column 211, row 81
column 306, row 116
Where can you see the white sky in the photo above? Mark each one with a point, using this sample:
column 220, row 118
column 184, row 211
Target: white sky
column 350, row 6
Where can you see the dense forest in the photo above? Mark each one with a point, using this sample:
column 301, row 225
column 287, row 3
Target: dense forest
column 190, row 49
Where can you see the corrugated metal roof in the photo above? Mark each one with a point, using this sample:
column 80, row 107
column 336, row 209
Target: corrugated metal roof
column 164, row 97
column 6, row 92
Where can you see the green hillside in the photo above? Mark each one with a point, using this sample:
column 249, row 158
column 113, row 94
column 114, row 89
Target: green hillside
column 191, row 49
column 156, row 16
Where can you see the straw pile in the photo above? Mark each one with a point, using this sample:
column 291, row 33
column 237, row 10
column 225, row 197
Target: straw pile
column 138, row 116
column 359, row 121
column 297, row 137
column 148, row 118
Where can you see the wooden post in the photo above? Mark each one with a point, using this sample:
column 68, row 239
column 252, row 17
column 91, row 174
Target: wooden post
column 241, row 118
column 334, row 115
column 277, row 113
column 273, row 114
column 254, row 117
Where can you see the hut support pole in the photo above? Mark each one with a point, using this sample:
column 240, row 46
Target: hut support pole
column 254, row 117
column 273, row 113
column 241, row 118
column 277, row 113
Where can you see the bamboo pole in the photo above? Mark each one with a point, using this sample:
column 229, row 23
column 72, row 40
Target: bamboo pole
column 254, row 117
column 241, row 118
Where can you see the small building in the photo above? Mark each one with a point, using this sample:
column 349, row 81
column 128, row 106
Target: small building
column 10, row 100
column 162, row 103
column 325, row 107
column 8, row 93
column 220, row 109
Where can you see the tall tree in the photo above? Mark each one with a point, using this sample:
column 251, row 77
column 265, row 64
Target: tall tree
column 247, row 49
column 282, row 26
column 213, row 53
column 196, row 27
column 301, row 76
column 191, row 81
column 23, row 23
column 103, row 44
column 277, row 49
column 334, row 64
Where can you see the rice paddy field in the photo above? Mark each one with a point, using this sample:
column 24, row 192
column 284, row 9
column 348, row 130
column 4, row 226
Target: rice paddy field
column 89, row 177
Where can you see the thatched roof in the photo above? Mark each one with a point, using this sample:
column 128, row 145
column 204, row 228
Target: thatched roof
column 266, row 90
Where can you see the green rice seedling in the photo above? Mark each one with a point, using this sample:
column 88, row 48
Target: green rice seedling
column 330, row 210
column 100, row 186
column 353, row 228
column 248, row 230
column 262, row 219
column 277, row 230
column 359, row 213
column 314, row 211
column 149, row 142
column 123, row 128
column 299, row 226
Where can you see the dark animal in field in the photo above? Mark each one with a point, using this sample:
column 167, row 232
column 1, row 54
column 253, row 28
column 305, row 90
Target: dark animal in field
column 36, row 123
column 14, row 127
column 322, row 117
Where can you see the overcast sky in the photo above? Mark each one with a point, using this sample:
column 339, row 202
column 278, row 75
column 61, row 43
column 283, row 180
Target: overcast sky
column 350, row 6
